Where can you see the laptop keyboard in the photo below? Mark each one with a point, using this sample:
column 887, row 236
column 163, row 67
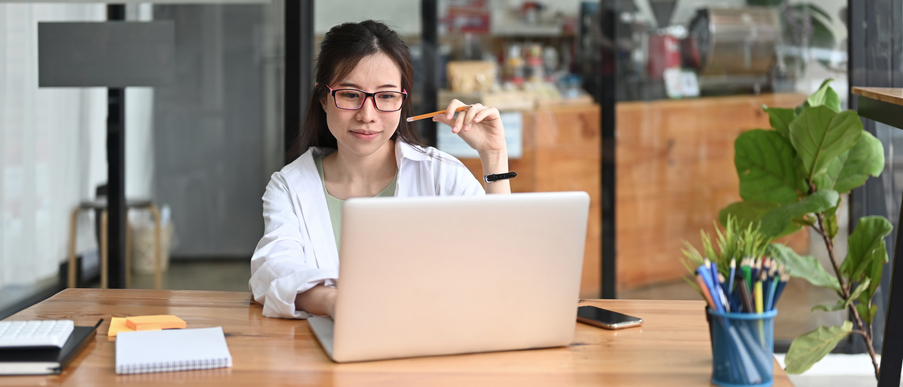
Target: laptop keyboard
column 35, row 333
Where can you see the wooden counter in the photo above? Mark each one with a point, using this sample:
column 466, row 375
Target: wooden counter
column 675, row 171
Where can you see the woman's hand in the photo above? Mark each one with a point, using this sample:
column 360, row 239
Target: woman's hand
column 319, row 300
column 479, row 126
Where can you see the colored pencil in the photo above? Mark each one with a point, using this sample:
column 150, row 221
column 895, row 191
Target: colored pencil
column 705, row 291
column 713, row 285
column 780, row 289
column 433, row 114
column 745, row 295
column 730, row 280
column 757, row 294
column 747, row 272
column 723, row 293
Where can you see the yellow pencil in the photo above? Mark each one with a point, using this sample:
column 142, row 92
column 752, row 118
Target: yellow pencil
column 433, row 114
column 757, row 290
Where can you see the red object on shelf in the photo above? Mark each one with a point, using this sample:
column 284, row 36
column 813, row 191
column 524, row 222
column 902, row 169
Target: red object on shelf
column 664, row 53
column 468, row 16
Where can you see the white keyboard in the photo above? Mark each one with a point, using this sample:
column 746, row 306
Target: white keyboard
column 35, row 333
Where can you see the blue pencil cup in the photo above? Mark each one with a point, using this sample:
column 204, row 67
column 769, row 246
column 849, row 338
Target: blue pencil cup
column 742, row 348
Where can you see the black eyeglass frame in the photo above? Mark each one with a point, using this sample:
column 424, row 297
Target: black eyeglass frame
column 371, row 96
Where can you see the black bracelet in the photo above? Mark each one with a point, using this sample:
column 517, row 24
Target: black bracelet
column 498, row 176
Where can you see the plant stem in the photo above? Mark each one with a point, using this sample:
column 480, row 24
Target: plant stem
column 845, row 293
column 830, row 245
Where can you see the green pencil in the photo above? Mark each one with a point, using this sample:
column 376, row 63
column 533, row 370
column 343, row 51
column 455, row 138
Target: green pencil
column 747, row 272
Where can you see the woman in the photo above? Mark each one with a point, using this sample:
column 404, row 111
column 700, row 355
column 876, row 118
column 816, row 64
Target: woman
column 355, row 142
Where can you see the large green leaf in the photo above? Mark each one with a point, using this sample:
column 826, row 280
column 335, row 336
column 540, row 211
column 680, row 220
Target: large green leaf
column 852, row 168
column 866, row 258
column 832, row 172
column 819, row 135
column 750, row 212
column 805, row 267
column 765, row 166
column 866, row 247
column 746, row 212
column 826, row 96
column 780, row 119
column 811, row 347
column 779, row 218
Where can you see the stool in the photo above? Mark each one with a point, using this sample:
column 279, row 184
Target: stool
column 101, row 204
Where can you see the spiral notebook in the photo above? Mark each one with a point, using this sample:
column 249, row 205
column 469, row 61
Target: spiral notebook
column 171, row 350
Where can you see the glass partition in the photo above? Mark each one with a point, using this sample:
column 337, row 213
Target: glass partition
column 691, row 76
column 204, row 145
column 524, row 58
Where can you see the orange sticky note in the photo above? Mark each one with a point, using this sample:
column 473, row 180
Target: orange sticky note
column 117, row 324
column 153, row 323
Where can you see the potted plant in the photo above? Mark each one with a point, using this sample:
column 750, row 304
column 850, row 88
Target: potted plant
column 792, row 176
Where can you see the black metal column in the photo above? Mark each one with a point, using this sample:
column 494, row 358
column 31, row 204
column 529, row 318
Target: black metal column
column 116, row 174
column 875, row 50
column 608, row 100
column 892, row 351
column 299, row 65
column 429, row 15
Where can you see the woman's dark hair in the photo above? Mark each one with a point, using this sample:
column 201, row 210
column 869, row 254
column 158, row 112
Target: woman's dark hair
column 341, row 50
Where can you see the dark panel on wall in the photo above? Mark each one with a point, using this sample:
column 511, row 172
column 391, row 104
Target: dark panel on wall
column 108, row 54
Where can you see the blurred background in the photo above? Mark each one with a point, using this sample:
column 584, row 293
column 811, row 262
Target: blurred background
column 637, row 102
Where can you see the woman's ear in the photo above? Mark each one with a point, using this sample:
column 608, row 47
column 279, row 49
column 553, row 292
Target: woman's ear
column 322, row 100
column 323, row 103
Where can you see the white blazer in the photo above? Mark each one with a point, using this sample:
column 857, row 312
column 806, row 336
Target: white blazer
column 298, row 250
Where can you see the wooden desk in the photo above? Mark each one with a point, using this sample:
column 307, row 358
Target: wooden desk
column 671, row 348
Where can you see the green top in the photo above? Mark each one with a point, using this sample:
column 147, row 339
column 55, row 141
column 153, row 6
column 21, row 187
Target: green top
column 335, row 205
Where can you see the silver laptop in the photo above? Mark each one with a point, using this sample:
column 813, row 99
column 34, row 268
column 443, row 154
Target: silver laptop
column 450, row 275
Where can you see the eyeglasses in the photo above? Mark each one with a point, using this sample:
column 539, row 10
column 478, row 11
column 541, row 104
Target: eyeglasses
column 353, row 99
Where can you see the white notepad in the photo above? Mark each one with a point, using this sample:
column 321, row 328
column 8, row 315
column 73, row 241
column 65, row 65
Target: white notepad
column 171, row 350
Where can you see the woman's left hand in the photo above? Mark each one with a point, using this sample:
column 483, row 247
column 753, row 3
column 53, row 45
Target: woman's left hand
column 479, row 126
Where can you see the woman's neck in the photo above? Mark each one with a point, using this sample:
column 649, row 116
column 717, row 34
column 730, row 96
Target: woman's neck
column 348, row 175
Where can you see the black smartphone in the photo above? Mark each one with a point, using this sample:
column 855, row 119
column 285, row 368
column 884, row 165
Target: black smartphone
column 607, row 319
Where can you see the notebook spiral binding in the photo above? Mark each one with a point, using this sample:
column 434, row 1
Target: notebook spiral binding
column 174, row 366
